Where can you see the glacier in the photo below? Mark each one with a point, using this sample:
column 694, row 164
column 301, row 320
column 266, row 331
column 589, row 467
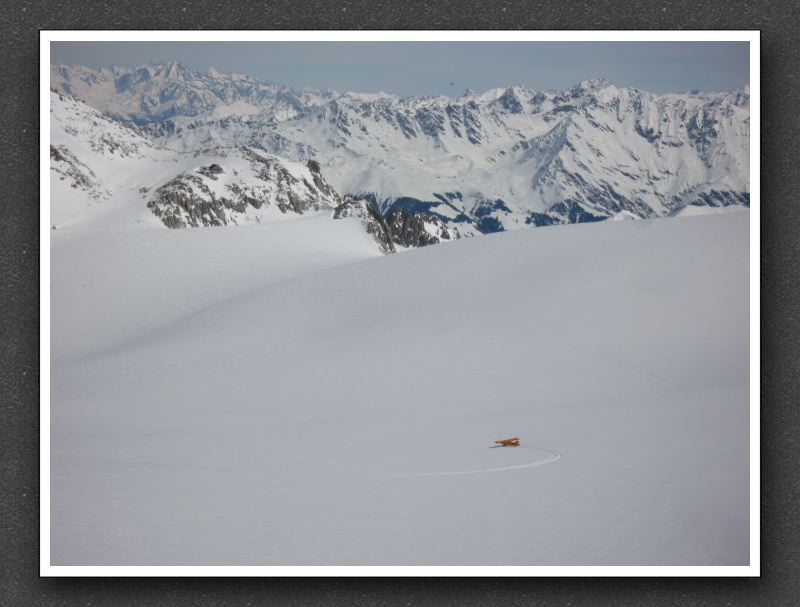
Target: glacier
column 281, row 394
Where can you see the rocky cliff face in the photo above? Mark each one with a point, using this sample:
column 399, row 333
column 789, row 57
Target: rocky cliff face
column 399, row 228
column 416, row 229
column 66, row 167
column 373, row 222
column 91, row 155
column 246, row 186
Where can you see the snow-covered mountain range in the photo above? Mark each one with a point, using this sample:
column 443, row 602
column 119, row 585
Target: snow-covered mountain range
column 227, row 148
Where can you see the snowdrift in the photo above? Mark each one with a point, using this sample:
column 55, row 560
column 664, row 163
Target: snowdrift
column 340, row 412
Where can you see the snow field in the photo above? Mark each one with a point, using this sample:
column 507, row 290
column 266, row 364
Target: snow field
column 268, row 398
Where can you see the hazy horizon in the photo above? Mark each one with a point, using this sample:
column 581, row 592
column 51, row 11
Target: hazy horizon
column 439, row 68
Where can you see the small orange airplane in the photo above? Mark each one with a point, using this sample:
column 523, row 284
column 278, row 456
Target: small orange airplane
column 508, row 442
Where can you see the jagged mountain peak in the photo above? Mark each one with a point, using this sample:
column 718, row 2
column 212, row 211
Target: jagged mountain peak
column 498, row 160
column 173, row 70
column 360, row 97
column 591, row 84
column 156, row 92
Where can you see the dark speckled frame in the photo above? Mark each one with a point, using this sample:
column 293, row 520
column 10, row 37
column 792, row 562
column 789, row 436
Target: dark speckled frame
column 20, row 584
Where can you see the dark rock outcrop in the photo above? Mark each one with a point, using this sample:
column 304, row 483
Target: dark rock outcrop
column 416, row 229
column 67, row 167
column 211, row 171
column 373, row 222
column 399, row 228
column 192, row 200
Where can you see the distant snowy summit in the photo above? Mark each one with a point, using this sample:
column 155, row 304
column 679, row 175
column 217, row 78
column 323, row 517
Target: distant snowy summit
column 447, row 167
column 156, row 92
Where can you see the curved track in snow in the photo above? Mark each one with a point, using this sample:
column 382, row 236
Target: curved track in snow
column 551, row 457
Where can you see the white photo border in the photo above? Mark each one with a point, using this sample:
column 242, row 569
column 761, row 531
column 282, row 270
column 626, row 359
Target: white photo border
column 46, row 569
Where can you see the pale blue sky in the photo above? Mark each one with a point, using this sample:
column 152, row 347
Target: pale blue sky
column 414, row 68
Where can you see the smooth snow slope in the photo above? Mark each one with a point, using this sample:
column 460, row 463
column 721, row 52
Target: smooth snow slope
column 345, row 416
column 111, row 285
